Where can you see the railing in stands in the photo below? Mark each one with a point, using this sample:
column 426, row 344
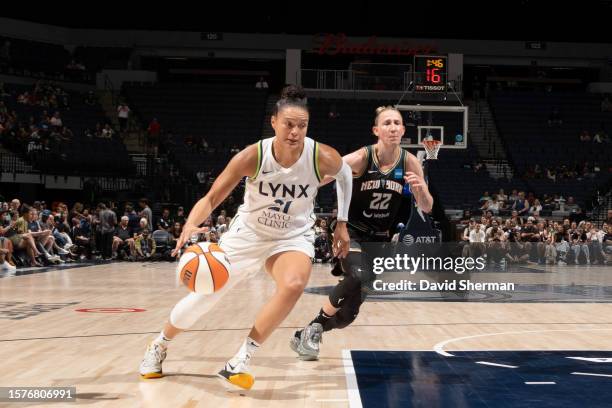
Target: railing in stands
column 10, row 163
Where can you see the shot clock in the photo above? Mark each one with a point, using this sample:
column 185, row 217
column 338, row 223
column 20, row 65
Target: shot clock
column 430, row 73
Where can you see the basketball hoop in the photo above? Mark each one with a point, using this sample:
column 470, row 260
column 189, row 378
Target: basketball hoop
column 432, row 147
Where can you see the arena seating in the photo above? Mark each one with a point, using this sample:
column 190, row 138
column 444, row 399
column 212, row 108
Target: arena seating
column 83, row 156
column 522, row 120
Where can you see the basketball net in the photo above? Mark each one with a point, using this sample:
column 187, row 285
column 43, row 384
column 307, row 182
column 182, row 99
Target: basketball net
column 432, row 147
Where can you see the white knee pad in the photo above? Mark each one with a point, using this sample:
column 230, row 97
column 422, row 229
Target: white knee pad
column 190, row 308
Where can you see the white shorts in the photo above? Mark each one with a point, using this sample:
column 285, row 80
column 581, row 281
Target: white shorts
column 248, row 251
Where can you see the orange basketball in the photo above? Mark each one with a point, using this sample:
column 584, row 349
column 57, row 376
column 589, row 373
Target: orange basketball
column 203, row 268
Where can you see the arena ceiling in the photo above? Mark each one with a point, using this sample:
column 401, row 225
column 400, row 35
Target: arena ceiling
column 529, row 20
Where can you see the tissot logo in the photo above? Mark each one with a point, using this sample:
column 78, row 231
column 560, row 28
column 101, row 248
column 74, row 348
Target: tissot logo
column 334, row 44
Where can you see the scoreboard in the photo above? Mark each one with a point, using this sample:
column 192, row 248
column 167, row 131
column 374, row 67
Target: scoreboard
column 430, row 73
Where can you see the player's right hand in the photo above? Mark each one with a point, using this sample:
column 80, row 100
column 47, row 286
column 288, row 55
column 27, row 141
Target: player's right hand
column 342, row 241
column 188, row 231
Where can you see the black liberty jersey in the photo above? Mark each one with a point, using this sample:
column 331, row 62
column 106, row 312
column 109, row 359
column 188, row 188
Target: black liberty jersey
column 377, row 196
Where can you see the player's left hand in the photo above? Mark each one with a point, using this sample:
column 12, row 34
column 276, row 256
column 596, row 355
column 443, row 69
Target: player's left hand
column 417, row 183
column 342, row 240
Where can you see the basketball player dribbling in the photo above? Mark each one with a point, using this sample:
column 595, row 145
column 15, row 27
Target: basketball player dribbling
column 379, row 173
column 272, row 228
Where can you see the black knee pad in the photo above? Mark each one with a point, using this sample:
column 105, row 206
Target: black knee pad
column 349, row 309
column 353, row 264
column 347, row 315
column 347, row 288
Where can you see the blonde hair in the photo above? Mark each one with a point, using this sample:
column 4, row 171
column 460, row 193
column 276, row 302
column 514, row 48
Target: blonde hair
column 381, row 109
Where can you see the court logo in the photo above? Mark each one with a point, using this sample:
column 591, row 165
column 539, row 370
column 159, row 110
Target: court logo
column 23, row 310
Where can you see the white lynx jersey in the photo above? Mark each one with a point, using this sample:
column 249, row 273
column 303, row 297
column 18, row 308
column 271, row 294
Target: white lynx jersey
column 278, row 201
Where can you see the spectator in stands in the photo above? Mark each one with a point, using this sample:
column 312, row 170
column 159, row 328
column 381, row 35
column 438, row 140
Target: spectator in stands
column 485, row 198
column 465, row 219
column 165, row 222
column 321, row 226
column 107, row 132
column 465, row 237
column 180, row 216
column 579, row 243
column 571, row 205
column 133, row 217
column 502, row 197
column 56, row 120
column 585, row 136
column 607, row 242
column 516, row 219
column 145, row 211
column 561, row 242
column 108, row 220
column 15, row 206
column 144, row 245
column 550, row 251
column 60, row 231
column 477, row 240
column 143, row 226
column 547, row 202
column 323, row 252
column 521, row 205
column 221, row 225
column 123, row 241
column 595, row 243
column 176, row 231
column 22, row 239
column 153, row 132
column 494, row 206
column 513, row 197
column 536, row 208
column 6, row 246
column 6, row 253
column 213, row 236
column 517, row 251
column 262, row 83
column 123, row 113
column 81, row 236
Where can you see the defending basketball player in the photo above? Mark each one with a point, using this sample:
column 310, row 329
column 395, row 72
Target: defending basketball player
column 379, row 173
column 283, row 174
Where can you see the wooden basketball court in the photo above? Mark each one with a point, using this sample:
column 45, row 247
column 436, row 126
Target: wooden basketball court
column 88, row 327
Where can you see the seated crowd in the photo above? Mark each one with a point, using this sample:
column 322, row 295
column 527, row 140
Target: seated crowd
column 524, row 238
column 39, row 235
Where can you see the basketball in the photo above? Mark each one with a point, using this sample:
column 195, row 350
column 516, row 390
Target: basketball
column 203, row 268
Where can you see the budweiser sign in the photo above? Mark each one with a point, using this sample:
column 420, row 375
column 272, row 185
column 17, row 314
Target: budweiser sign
column 336, row 44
